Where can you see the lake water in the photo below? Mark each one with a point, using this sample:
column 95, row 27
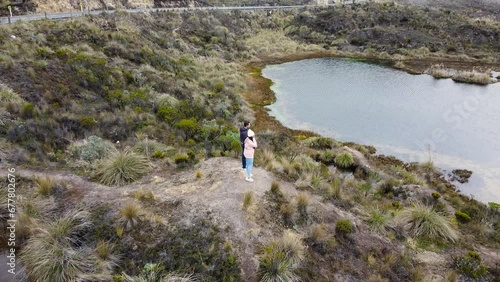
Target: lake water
column 413, row 117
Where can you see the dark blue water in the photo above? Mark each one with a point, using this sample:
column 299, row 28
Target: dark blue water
column 413, row 117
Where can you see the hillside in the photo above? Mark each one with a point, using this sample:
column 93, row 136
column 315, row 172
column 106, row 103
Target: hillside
column 122, row 130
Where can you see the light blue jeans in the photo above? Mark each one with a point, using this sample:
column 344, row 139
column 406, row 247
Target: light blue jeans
column 249, row 166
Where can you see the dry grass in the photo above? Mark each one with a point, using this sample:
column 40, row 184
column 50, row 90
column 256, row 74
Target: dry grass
column 302, row 203
column 276, row 42
column 288, row 166
column 51, row 256
column 291, row 244
column 276, row 188
column 473, row 77
column 130, row 215
column 422, row 221
column 198, row 174
column 287, row 210
column 8, row 95
column 44, row 186
column 248, row 199
column 438, row 71
column 141, row 195
column 122, row 168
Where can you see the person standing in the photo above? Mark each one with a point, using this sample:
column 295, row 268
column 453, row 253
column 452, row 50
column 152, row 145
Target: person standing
column 243, row 136
column 249, row 150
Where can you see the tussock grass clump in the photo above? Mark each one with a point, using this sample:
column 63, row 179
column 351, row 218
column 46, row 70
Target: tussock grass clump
column 291, row 244
column 377, row 220
column 275, row 267
column 334, row 190
column 302, row 203
column 287, row 210
column 104, row 252
column 130, row 215
column 288, row 166
column 344, row 160
column 422, row 221
column 265, row 158
column 52, row 255
column 471, row 265
column 25, row 225
column 276, row 188
column 472, row 77
column 68, row 226
column 198, row 174
column 248, row 199
column 8, row 96
column 44, row 186
column 142, row 195
column 122, row 168
column 319, row 238
column 279, row 258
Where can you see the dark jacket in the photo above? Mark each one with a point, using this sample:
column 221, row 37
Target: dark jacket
column 243, row 134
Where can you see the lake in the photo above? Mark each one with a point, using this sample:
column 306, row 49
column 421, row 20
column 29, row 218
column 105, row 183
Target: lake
column 412, row 117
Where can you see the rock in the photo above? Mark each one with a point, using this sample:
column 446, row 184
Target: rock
column 461, row 175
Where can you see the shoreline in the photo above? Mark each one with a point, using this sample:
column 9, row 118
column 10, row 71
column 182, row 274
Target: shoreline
column 411, row 65
column 259, row 95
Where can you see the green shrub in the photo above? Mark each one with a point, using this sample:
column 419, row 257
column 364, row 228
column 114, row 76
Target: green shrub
column 462, row 217
column 397, row 205
column 494, row 206
column 422, row 221
column 344, row 160
column 87, row 121
column 122, row 168
column 436, row 195
column 167, row 113
column 189, row 126
column 91, row 149
column 471, row 265
column 343, row 227
column 181, row 160
column 28, row 111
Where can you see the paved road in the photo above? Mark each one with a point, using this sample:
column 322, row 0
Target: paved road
column 66, row 15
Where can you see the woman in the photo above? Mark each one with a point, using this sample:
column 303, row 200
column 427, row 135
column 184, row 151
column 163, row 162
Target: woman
column 250, row 145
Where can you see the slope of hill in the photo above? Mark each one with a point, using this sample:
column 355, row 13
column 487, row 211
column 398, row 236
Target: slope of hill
column 123, row 131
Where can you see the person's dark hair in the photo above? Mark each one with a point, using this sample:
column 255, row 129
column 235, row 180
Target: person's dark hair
column 246, row 123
